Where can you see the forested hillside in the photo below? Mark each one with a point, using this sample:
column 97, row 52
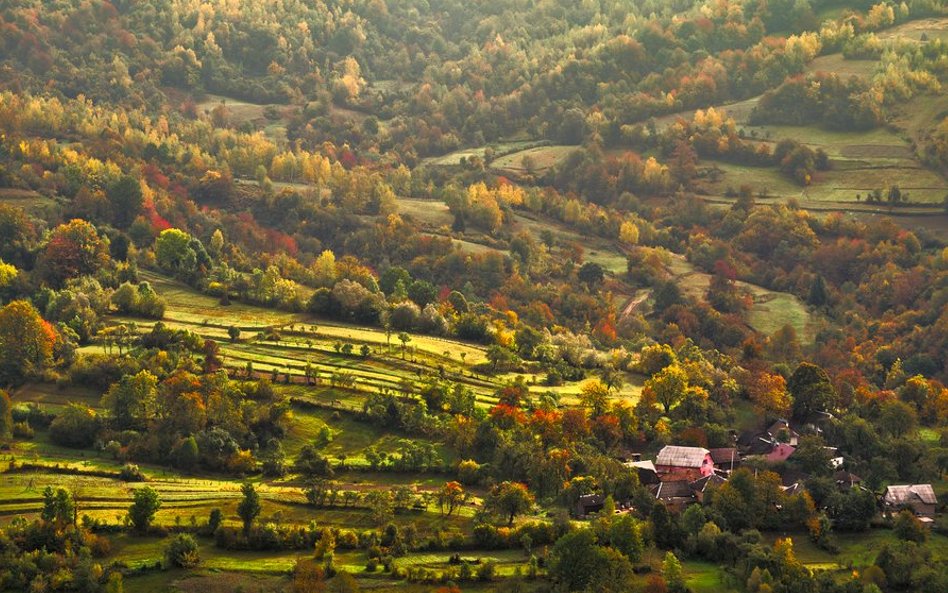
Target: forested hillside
column 513, row 295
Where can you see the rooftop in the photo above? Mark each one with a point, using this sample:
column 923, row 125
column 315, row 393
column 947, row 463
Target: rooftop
column 673, row 489
column 909, row 493
column 676, row 456
column 725, row 455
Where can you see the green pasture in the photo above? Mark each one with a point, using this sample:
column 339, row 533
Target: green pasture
column 202, row 313
column 597, row 250
column 50, row 395
column 543, row 157
column 837, row 64
column 453, row 159
column 931, row 28
column 706, row 577
column 771, row 310
column 28, row 200
column 430, row 212
column 855, row 549
column 739, row 110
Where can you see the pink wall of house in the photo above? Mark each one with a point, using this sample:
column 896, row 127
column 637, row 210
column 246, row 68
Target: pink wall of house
column 706, row 469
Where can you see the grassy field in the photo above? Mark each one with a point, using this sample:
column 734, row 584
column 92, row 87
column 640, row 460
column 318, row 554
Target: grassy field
column 739, row 110
column 431, row 213
column 228, row 581
column 837, row 64
column 932, row 28
column 305, row 341
column 387, row 366
column 605, row 253
column 543, row 157
column 453, row 159
column 242, row 112
column 862, row 161
column 855, row 549
column 32, row 202
column 771, row 310
column 53, row 396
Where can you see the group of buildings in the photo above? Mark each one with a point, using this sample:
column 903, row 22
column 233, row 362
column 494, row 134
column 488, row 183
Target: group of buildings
column 681, row 475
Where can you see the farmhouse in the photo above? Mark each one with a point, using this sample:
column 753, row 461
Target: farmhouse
column 588, row 504
column 845, row 480
column 646, row 471
column 685, row 462
column 920, row 498
column 781, row 432
column 702, row 485
column 675, row 494
column 726, row 458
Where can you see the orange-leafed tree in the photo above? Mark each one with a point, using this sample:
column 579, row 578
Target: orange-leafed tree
column 509, row 499
column 450, row 497
column 26, row 342
column 73, row 249
column 768, row 391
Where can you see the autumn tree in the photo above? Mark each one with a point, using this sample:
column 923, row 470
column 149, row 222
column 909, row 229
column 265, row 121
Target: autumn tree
column 451, row 495
column 509, row 499
column 132, row 400
column 177, row 252
column 768, row 391
column 324, row 269
column 307, row 577
column 216, row 244
column 594, row 394
column 629, row 233
column 668, row 386
column 6, row 416
column 655, row 357
column 26, row 342
column 73, row 249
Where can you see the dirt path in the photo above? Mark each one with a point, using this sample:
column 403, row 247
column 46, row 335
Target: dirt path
column 633, row 303
column 847, row 207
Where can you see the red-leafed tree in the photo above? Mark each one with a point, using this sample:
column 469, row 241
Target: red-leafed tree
column 73, row 249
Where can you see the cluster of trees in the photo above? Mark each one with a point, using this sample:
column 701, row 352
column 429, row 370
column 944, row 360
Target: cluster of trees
column 185, row 417
column 823, row 98
column 465, row 75
column 857, row 103
column 57, row 551
column 144, row 185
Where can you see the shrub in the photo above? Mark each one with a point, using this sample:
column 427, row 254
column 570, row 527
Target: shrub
column 131, row 473
column 76, row 426
column 183, row 552
column 486, row 571
column 22, row 430
column 214, row 520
